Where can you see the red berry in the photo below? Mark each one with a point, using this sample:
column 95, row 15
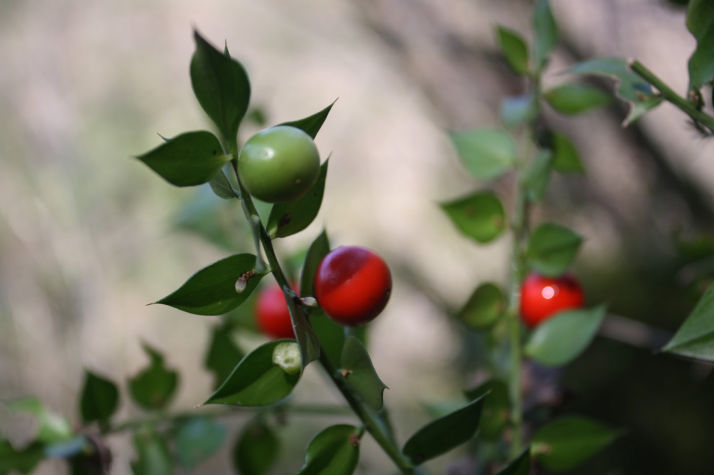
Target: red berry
column 542, row 297
column 272, row 314
column 352, row 285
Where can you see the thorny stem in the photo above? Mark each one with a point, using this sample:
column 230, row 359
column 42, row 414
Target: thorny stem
column 668, row 94
column 374, row 424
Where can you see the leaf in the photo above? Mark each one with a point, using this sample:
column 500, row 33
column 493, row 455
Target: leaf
column 197, row 439
column 334, row 451
column 23, row 460
column 566, row 158
column 319, row 248
column 521, row 465
column 290, row 217
column 224, row 183
column 222, row 355
column 479, row 216
column 188, row 159
column 552, row 248
column 565, row 443
column 546, row 33
column 256, row 380
column 443, row 434
column 153, row 456
column 486, row 153
column 311, row 125
column 700, row 22
column 574, row 99
column 153, row 387
column 514, row 49
column 630, row 87
column 359, row 374
column 518, row 110
column 496, row 407
column 52, row 427
column 221, row 86
column 99, row 398
column 330, row 334
column 561, row 338
column 485, row 306
column 537, row 175
column 212, row 290
column 695, row 338
column 256, row 449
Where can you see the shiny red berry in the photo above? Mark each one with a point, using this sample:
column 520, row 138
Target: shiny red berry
column 542, row 297
column 352, row 285
column 272, row 314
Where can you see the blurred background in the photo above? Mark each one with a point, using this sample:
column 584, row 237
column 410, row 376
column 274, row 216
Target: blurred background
column 89, row 236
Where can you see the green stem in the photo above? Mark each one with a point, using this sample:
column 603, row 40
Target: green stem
column 221, row 412
column 668, row 94
column 371, row 422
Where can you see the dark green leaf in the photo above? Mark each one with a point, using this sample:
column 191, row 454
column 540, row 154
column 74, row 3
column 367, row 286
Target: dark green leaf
column 189, row 159
column 153, row 387
column 486, row 153
column 52, row 427
column 630, row 87
column 99, row 398
column 290, row 217
column 23, row 460
column 561, row 338
column 552, row 248
column 575, row 98
column 360, row 375
column 212, row 290
column 521, row 465
column 224, row 183
column 256, row 449
column 566, row 158
column 479, row 216
column 319, row 248
column 485, row 306
column 445, row 433
column 514, row 48
column 197, row 439
column 221, row 86
column 334, row 451
column 537, row 175
column 256, row 380
column 153, row 456
column 330, row 334
column 695, row 338
column 518, row 110
column 223, row 354
column 565, row 443
column 311, row 125
column 546, row 33
column 496, row 407
column 700, row 22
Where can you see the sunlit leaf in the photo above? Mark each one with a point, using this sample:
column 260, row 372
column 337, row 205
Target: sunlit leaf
column 52, row 427
column 256, row 380
column 479, row 216
column 563, row 337
column 486, row 153
column 189, row 159
column 221, row 86
column 212, row 290
column 567, row 442
column 334, row 451
column 695, row 337
column 445, row 433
